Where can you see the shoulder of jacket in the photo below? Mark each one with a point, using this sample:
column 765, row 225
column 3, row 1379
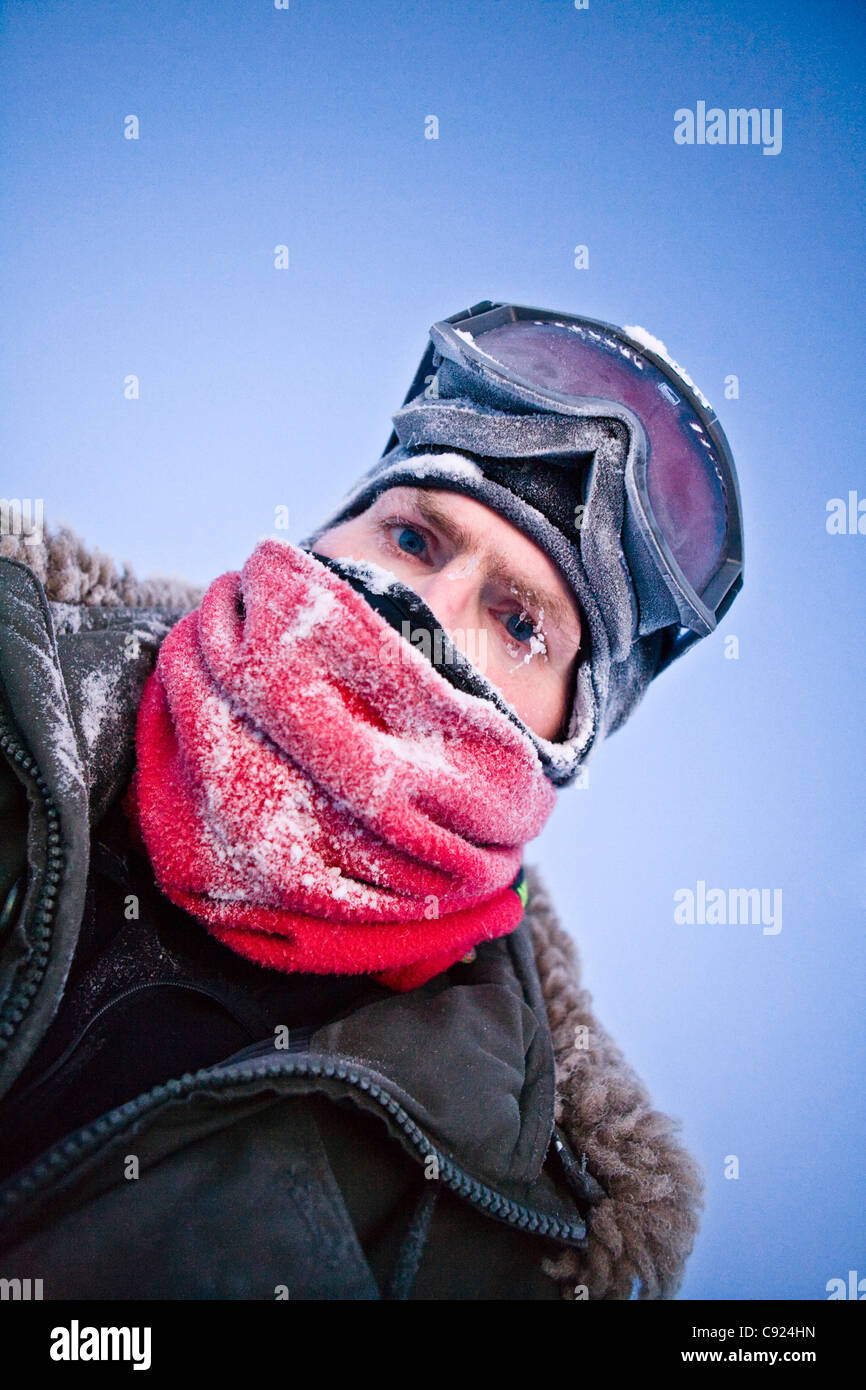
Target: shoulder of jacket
column 71, row 572
column 643, row 1230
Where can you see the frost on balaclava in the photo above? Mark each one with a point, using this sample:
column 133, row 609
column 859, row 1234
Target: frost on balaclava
column 542, row 499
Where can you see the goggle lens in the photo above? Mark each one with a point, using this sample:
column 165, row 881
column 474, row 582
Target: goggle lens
column 684, row 485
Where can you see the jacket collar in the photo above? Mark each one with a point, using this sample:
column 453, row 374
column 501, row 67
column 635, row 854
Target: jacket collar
column 470, row 1056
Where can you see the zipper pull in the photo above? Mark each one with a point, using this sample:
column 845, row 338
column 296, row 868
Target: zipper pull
column 582, row 1183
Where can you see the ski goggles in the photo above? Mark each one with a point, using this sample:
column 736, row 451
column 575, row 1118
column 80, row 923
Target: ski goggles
column 682, row 520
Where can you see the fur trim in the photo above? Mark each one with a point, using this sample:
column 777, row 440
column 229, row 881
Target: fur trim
column 644, row 1229
column 72, row 573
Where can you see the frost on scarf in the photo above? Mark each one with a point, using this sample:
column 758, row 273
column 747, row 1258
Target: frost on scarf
column 320, row 806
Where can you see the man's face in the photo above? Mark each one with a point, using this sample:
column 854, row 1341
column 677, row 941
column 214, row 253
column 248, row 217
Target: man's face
column 489, row 586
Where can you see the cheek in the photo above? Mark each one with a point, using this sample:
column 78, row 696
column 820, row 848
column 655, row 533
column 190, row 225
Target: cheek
column 333, row 534
column 536, row 691
column 338, row 539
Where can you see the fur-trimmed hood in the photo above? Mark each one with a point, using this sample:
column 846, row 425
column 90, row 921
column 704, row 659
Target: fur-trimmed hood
column 642, row 1231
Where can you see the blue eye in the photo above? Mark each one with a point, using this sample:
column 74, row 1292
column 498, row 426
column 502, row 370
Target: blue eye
column 520, row 627
column 411, row 540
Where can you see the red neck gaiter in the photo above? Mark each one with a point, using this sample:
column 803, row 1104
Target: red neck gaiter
column 321, row 797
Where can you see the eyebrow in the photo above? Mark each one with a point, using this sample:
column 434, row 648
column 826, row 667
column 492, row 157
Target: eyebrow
column 499, row 568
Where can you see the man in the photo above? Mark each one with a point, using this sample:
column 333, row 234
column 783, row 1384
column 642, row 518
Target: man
column 373, row 1074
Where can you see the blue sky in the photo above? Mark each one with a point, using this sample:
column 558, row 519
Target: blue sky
column 260, row 387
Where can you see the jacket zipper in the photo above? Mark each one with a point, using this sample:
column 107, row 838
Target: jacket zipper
column 60, row 1160
column 16, row 1007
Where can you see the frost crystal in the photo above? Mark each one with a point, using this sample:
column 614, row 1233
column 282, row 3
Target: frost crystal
column 645, row 339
